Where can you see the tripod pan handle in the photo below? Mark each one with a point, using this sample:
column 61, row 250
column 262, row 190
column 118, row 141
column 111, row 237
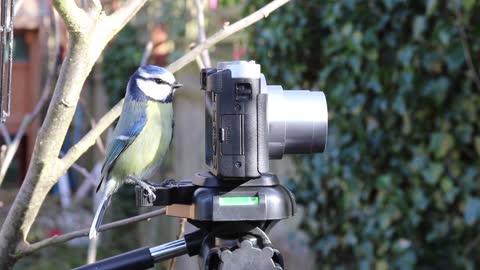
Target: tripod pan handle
column 138, row 259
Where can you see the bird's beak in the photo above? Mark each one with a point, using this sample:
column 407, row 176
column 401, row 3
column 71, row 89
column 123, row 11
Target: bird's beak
column 176, row 85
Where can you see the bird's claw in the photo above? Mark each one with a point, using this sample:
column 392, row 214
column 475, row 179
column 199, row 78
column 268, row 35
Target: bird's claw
column 151, row 194
column 146, row 186
column 168, row 182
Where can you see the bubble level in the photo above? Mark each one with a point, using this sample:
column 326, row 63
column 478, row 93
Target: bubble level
column 231, row 201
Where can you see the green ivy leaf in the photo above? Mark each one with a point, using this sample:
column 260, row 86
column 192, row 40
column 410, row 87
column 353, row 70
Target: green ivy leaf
column 477, row 144
column 419, row 27
column 472, row 210
column 440, row 144
column 454, row 57
column 468, row 4
column 420, row 200
column 431, row 7
column 405, row 55
column 432, row 173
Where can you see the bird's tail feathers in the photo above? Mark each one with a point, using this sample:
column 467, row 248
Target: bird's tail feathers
column 97, row 220
column 102, row 177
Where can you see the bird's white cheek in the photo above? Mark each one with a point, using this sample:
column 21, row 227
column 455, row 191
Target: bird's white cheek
column 154, row 90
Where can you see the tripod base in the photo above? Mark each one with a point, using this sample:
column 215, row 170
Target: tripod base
column 251, row 251
column 246, row 256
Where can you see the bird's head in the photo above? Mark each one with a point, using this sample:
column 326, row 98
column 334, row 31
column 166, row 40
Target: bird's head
column 152, row 83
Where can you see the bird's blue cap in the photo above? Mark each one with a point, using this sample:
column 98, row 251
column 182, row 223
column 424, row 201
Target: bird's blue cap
column 149, row 71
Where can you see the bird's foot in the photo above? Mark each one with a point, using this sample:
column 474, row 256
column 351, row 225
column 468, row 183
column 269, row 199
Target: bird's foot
column 146, row 186
column 168, row 182
column 151, row 193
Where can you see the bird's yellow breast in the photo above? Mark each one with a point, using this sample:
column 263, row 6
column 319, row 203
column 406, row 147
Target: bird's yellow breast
column 145, row 154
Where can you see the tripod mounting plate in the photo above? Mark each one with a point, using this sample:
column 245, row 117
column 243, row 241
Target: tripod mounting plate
column 207, row 199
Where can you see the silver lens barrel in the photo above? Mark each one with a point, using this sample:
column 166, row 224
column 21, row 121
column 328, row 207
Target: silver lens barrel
column 297, row 121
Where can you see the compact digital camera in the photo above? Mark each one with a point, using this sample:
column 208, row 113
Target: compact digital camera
column 248, row 122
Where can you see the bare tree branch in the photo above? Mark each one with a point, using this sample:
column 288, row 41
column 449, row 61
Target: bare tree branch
column 198, row 58
column 88, row 184
column 3, row 150
column 17, row 6
column 147, row 52
column 29, row 249
column 13, row 147
column 6, row 136
column 81, row 170
column 122, row 16
column 74, row 17
column 92, row 6
column 227, row 31
column 201, row 32
column 47, row 88
column 89, row 139
column 93, row 123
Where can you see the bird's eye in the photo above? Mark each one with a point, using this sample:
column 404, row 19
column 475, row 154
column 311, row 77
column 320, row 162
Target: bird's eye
column 159, row 81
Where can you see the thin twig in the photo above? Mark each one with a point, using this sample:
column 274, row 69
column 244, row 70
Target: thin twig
column 3, row 151
column 92, row 6
column 29, row 249
column 18, row 5
column 181, row 231
column 81, row 170
column 47, row 88
column 225, row 32
column 87, row 184
column 93, row 123
column 147, row 52
column 89, row 139
column 122, row 16
column 201, row 32
column 468, row 248
column 466, row 51
column 198, row 59
column 6, row 136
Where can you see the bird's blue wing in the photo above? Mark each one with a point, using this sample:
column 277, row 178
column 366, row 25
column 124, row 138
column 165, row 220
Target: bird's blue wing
column 126, row 132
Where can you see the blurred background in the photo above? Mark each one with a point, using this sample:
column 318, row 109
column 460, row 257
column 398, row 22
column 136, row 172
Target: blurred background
column 398, row 186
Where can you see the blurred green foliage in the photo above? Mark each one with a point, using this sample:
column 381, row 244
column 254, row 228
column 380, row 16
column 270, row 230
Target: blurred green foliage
column 124, row 55
column 398, row 186
column 120, row 61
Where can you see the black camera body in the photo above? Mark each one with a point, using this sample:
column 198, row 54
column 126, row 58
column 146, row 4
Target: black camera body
column 248, row 122
column 235, row 125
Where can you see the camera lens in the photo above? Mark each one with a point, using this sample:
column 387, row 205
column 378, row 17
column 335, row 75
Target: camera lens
column 297, row 121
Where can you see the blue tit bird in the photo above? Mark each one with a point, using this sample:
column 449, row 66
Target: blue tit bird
column 142, row 136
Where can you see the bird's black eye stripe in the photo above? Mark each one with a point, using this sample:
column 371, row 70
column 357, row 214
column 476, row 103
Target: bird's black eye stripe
column 160, row 81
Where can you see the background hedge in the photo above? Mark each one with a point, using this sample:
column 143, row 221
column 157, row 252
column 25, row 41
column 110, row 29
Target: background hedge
column 399, row 184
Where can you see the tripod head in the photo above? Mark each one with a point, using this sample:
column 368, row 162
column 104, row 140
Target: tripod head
column 235, row 203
